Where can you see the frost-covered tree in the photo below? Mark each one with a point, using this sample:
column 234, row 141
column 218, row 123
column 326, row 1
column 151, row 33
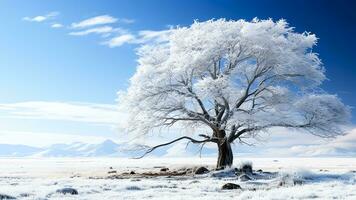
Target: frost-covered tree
column 237, row 79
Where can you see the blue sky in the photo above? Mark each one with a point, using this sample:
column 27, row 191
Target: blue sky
column 45, row 70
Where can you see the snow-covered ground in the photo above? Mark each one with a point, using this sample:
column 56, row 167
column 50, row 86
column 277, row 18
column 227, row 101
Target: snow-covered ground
column 39, row 178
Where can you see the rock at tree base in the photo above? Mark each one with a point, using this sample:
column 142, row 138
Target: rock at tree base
column 244, row 177
column 164, row 169
column 67, row 191
column 4, row 197
column 246, row 169
column 201, row 170
column 230, row 186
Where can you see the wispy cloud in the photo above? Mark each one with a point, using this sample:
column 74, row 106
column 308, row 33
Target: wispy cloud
column 149, row 35
column 120, row 40
column 141, row 37
column 81, row 112
column 126, row 21
column 57, row 25
column 41, row 18
column 98, row 20
column 104, row 26
column 98, row 30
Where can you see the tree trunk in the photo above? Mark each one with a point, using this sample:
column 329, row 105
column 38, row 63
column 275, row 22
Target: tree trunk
column 225, row 157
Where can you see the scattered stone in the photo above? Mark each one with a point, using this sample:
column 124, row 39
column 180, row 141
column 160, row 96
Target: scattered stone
column 112, row 172
column 5, row 197
column 353, row 171
column 195, row 181
column 244, row 168
column 25, row 195
column 132, row 172
column 260, row 171
column 96, row 177
column 189, row 170
column 247, row 169
column 201, row 170
column 244, row 177
column 164, row 169
column 159, row 167
column 298, row 182
column 185, row 170
column 275, row 160
column 75, row 176
column 133, row 188
column 159, row 186
column 281, row 183
column 230, row 186
column 110, row 168
column 323, row 170
column 67, row 191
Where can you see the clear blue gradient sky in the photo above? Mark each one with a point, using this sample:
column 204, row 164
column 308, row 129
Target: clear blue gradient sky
column 40, row 63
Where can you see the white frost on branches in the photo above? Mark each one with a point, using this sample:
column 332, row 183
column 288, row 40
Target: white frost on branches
column 241, row 76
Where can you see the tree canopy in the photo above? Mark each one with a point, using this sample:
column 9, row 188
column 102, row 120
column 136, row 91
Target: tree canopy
column 241, row 77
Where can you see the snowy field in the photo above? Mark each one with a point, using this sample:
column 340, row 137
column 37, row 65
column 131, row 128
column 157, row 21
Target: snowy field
column 39, row 178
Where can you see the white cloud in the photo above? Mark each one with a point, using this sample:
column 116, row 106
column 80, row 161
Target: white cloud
column 99, row 25
column 127, row 21
column 120, row 40
column 81, row 112
column 141, row 37
column 57, row 25
column 98, row 30
column 157, row 36
column 98, row 20
column 41, row 18
column 341, row 146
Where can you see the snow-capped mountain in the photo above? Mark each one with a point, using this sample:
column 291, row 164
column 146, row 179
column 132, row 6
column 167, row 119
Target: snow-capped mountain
column 78, row 149
column 16, row 150
column 107, row 148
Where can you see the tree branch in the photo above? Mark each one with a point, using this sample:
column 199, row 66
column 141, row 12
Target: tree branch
column 233, row 137
column 176, row 140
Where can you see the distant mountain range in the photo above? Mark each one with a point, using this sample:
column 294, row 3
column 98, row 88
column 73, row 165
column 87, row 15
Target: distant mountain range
column 18, row 150
column 107, row 148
